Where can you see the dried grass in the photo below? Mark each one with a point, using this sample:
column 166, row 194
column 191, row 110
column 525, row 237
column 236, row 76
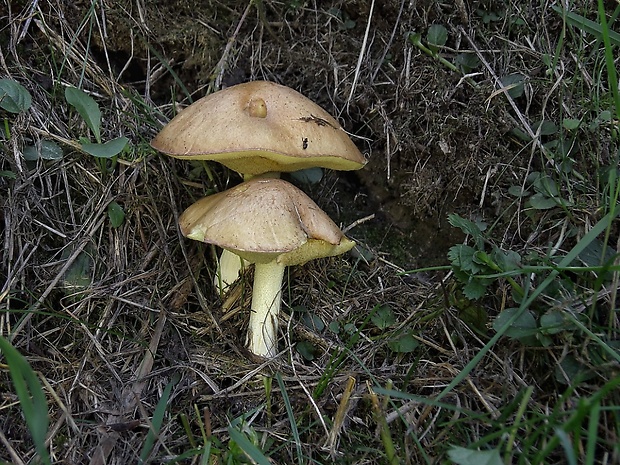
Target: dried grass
column 148, row 314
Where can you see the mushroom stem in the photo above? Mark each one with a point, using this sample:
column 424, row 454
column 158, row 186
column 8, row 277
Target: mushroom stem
column 229, row 267
column 266, row 301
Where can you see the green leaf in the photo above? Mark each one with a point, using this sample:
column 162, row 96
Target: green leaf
column 547, row 128
column 415, row 38
column 31, row 397
column 78, row 275
column 520, row 134
column 523, row 327
column 484, row 259
column 467, row 62
column 334, row 327
column 542, row 202
column 553, row 322
column 464, row 456
column 249, row 449
column 597, row 253
column 312, row 321
column 49, row 150
column 462, row 256
column 350, row 328
column 404, row 344
column 506, row 260
column 474, row 316
column 14, row 97
column 469, row 227
column 518, row 191
column 31, row 153
column 514, row 84
column 437, row 36
column 116, row 214
column 570, row 370
column 546, row 185
column 307, row 350
column 8, row 174
column 571, row 124
column 87, row 108
column 156, row 421
column 474, row 289
column 382, row 316
column 108, row 150
column 601, row 120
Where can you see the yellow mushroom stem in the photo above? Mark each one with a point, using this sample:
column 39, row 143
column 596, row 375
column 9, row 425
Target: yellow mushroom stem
column 229, row 267
column 266, row 301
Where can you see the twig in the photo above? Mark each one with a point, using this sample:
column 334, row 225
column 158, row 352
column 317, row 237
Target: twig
column 358, row 222
column 389, row 43
column 12, row 452
column 222, row 63
column 362, row 53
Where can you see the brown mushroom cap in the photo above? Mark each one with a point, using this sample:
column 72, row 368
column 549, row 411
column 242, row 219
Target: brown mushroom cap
column 263, row 220
column 259, row 127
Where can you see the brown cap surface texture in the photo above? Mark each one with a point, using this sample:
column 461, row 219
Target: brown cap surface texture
column 259, row 127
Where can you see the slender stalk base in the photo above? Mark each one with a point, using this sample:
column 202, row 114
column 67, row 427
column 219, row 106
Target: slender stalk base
column 266, row 301
column 229, row 267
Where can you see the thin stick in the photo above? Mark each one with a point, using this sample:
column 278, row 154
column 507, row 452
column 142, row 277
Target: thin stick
column 222, row 63
column 362, row 53
column 389, row 43
column 358, row 222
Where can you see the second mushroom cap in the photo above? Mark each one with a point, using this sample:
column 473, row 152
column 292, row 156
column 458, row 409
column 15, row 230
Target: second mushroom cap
column 265, row 219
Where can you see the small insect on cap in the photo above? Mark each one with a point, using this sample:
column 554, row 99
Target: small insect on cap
column 259, row 127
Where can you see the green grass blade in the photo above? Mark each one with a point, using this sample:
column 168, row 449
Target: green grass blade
column 613, row 353
column 610, row 36
column 206, row 454
column 593, row 425
column 31, row 397
column 291, row 417
column 571, row 458
column 583, row 409
column 250, row 449
column 586, row 25
column 174, row 75
column 156, row 422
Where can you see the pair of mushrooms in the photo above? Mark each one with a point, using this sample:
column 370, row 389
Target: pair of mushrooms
column 260, row 129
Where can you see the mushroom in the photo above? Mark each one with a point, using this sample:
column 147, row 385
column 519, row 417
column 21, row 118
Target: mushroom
column 258, row 128
column 273, row 224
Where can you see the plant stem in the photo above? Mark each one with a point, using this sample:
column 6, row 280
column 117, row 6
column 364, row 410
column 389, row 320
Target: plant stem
column 266, row 301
